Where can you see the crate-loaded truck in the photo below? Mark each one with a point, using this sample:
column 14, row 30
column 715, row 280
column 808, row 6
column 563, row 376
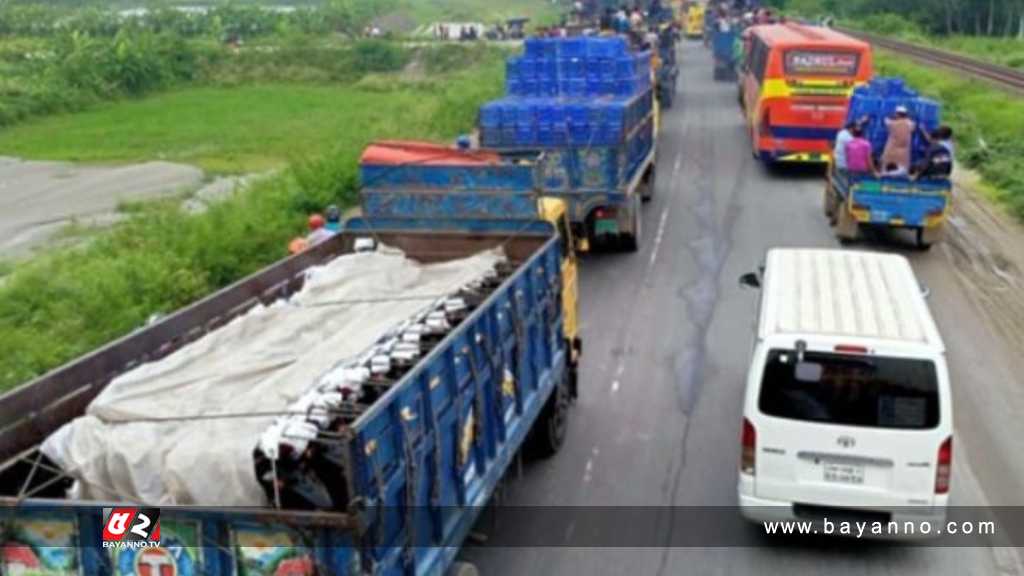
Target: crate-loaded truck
column 582, row 111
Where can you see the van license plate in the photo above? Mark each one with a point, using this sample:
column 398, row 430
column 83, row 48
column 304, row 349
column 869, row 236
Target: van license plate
column 843, row 473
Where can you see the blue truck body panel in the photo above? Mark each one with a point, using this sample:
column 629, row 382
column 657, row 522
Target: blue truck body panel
column 424, row 458
column 896, row 201
column 586, row 177
column 723, row 45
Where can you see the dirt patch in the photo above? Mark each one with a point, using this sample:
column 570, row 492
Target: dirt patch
column 986, row 247
column 38, row 199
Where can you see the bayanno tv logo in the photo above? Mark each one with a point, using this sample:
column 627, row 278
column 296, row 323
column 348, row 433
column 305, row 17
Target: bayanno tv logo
column 131, row 527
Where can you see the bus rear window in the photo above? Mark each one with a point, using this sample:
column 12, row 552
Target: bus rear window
column 871, row 391
column 819, row 63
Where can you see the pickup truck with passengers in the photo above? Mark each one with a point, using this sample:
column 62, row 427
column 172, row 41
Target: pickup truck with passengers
column 414, row 463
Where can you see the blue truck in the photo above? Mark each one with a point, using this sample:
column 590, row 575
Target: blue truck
column 854, row 202
column 724, row 38
column 421, row 462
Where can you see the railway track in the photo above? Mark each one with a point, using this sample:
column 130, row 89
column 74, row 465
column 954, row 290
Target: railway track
column 1001, row 75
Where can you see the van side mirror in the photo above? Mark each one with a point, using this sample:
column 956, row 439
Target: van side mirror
column 750, row 280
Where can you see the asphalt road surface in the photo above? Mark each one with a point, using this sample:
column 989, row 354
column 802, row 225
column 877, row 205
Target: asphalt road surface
column 667, row 333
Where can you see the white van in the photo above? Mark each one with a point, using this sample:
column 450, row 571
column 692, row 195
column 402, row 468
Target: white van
column 847, row 411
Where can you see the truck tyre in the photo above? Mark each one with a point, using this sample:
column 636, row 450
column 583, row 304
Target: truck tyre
column 631, row 240
column 647, row 184
column 928, row 236
column 459, row 568
column 847, row 228
column 548, row 433
column 829, row 203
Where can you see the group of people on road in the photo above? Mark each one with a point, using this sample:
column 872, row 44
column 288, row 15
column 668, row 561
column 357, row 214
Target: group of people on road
column 854, row 155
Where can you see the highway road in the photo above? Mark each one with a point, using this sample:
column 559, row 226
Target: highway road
column 667, row 333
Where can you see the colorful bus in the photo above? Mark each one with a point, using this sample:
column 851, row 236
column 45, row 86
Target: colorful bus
column 795, row 87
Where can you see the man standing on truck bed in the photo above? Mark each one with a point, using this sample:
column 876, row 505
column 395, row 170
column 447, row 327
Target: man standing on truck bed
column 897, row 147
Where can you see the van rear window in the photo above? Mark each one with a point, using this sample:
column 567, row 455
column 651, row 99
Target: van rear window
column 871, row 391
column 821, row 63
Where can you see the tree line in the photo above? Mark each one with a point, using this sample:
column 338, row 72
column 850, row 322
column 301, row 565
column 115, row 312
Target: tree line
column 993, row 18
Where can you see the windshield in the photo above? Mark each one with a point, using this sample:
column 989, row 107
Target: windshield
column 821, row 63
column 869, row 391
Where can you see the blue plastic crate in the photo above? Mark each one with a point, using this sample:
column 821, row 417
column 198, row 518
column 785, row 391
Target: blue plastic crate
column 577, row 87
column 490, row 114
column 575, row 47
column 534, row 47
column 527, row 68
column 508, row 135
column 525, row 135
column 580, row 134
column 491, row 138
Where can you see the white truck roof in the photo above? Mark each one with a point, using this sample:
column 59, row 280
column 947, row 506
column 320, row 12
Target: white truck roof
column 845, row 293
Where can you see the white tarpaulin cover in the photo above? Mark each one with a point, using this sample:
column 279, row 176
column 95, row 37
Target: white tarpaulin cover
column 260, row 362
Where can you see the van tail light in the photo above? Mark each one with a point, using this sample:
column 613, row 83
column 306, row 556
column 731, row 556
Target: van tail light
column 859, row 208
column 748, row 441
column 935, row 212
column 766, row 123
column 945, row 467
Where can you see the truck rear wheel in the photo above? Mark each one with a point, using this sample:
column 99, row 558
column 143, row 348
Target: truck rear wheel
column 928, row 236
column 549, row 431
column 829, row 204
column 647, row 184
column 630, row 241
column 847, row 228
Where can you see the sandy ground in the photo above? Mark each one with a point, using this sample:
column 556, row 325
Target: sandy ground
column 37, row 199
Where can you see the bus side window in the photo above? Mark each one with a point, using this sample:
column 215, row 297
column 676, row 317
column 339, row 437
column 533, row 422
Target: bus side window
column 759, row 60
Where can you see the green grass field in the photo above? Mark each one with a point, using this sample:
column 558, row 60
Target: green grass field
column 242, row 129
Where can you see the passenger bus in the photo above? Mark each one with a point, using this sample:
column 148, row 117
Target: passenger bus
column 795, row 87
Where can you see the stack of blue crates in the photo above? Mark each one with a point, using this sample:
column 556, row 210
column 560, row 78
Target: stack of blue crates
column 879, row 99
column 570, row 92
column 580, row 66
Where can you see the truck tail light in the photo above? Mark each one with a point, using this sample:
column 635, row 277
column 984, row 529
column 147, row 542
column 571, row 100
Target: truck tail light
column 945, row 467
column 748, row 443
